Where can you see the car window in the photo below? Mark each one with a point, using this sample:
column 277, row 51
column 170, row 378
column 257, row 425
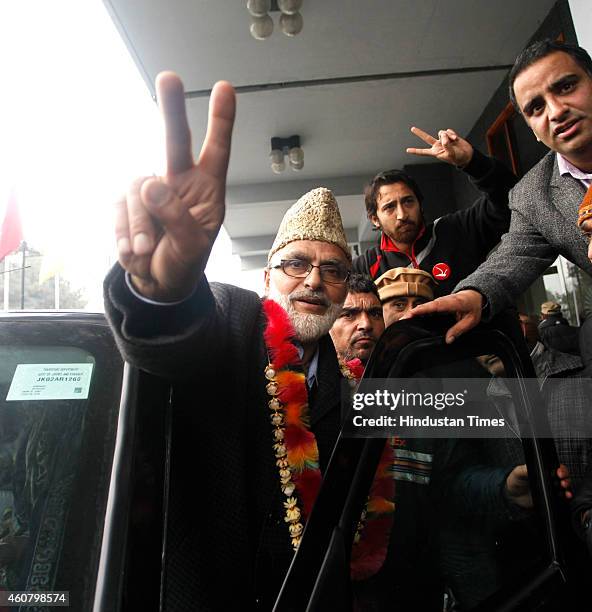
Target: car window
column 473, row 516
column 60, row 385
column 471, row 502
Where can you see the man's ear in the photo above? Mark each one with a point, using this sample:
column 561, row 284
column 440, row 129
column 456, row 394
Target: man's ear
column 375, row 221
column 266, row 280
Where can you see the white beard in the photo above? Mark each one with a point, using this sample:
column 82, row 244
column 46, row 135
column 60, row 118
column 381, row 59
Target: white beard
column 309, row 327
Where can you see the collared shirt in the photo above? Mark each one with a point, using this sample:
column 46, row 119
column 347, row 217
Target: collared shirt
column 313, row 366
column 567, row 168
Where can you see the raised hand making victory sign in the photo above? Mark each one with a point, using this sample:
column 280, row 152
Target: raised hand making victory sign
column 165, row 226
column 449, row 147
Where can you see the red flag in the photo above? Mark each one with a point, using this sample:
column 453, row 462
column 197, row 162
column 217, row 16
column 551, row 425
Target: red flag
column 11, row 232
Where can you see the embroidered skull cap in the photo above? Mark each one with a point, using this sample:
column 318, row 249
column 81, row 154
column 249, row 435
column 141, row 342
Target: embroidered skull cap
column 315, row 216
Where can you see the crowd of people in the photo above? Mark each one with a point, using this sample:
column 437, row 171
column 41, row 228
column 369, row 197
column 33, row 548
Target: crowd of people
column 259, row 380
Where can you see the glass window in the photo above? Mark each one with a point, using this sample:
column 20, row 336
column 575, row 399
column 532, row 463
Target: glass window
column 59, row 402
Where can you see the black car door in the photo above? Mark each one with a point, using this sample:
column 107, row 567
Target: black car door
column 82, row 465
column 468, row 551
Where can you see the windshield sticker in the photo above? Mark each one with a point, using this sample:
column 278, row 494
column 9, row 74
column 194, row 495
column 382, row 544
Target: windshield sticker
column 50, row 381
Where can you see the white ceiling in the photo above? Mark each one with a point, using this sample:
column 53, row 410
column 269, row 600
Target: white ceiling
column 349, row 131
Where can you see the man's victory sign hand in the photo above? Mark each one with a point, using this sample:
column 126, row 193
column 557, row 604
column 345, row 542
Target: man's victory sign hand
column 165, row 226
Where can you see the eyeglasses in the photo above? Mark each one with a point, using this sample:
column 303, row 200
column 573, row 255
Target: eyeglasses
column 299, row 268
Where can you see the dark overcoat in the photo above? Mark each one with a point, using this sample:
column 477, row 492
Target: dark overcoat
column 229, row 546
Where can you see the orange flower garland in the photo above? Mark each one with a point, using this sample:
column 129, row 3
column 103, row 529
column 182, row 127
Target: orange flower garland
column 295, row 446
column 297, row 454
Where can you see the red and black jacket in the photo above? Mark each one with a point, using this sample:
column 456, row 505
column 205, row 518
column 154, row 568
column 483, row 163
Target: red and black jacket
column 461, row 240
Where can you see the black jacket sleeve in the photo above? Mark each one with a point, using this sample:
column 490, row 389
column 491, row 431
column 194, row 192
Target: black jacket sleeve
column 177, row 341
column 489, row 217
column 474, row 482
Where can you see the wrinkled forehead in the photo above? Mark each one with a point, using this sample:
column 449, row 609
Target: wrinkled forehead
column 314, row 251
column 362, row 301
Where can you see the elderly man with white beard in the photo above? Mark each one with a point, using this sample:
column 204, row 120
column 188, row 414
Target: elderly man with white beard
column 308, row 267
column 256, row 383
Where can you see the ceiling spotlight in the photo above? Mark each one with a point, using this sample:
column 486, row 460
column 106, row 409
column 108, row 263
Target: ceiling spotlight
column 290, row 19
column 277, row 156
column 286, row 146
column 296, row 157
column 258, row 8
column 291, row 24
column 289, row 7
column 261, row 27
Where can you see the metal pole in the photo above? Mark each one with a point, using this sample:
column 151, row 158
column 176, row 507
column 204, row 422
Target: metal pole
column 24, row 251
column 6, row 282
column 56, row 291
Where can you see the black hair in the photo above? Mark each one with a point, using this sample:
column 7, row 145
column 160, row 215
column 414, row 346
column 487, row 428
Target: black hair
column 388, row 178
column 533, row 53
column 361, row 283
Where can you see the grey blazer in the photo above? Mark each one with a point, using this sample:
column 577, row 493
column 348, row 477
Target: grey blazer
column 544, row 208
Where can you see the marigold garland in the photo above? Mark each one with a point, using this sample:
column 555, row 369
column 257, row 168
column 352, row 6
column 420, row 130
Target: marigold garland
column 297, row 455
column 295, row 446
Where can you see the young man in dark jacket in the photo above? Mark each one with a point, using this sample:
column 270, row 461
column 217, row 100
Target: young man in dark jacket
column 453, row 245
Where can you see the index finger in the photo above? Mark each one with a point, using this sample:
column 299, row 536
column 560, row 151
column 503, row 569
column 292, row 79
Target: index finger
column 171, row 100
column 446, row 304
column 443, row 304
column 415, row 151
column 423, row 135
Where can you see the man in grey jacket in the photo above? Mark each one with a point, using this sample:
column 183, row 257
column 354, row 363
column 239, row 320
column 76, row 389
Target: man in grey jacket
column 551, row 86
